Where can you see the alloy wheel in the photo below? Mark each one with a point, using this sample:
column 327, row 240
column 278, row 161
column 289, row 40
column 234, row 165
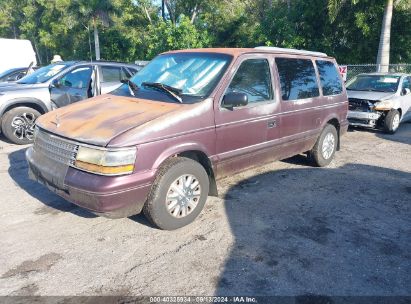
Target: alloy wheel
column 23, row 126
column 396, row 122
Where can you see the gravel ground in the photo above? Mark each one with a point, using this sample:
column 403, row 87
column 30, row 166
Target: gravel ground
column 282, row 229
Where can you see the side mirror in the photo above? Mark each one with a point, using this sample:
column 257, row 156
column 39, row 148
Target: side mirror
column 234, row 99
column 406, row 91
column 55, row 83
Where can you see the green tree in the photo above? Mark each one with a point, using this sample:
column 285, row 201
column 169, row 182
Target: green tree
column 140, row 29
column 98, row 12
column 164, row 36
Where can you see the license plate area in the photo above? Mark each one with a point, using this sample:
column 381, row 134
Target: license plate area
column 49, row 172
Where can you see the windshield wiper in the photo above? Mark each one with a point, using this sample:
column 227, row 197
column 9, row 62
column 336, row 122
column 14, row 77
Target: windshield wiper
column 133, row 88
column 174, row 92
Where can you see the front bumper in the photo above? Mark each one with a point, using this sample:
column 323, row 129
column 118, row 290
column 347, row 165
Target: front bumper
column 109, row 196
column 365, row 119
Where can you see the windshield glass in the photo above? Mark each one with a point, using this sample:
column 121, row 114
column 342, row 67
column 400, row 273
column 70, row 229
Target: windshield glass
column 378, row 83
column 43, row 74
column 6, row 73
column 195, row 74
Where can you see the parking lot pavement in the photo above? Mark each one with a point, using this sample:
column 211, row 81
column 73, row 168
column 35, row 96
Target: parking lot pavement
column 282, row 229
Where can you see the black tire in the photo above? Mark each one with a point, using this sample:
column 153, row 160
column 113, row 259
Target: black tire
column 316, row 154
column 390, row 126
column 155, row 208
column 18, row 125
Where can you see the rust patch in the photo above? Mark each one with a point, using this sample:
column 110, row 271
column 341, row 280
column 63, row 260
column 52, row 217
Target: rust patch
column 98, row 120
column 42, row 264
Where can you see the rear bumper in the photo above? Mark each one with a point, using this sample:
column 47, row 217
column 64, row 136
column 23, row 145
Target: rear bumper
column 109, row 196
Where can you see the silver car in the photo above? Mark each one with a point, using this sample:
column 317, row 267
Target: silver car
column 379, row 100
column 52, row 87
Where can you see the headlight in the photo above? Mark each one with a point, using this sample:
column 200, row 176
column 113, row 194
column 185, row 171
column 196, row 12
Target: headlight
column 384, row 105
column 106, row 162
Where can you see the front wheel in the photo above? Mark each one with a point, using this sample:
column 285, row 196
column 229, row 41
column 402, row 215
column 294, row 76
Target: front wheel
column 324, row 149
column 392, row 121
column 18, row 125
column 178, row 194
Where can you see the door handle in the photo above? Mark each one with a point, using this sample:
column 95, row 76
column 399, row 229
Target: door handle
column 272, row 124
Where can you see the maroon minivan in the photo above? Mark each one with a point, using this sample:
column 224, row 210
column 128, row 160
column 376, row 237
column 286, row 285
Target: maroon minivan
column 159, row 142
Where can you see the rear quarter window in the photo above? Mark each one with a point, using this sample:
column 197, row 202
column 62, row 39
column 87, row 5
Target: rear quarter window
column 329, row 77
column 297, row 78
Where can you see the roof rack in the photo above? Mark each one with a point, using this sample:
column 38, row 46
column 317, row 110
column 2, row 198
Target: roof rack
column 291, row 51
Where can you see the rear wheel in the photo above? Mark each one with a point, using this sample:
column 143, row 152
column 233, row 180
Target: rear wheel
column 392, row 121
column 324, row 149
column 18, row 125
column 178, row 194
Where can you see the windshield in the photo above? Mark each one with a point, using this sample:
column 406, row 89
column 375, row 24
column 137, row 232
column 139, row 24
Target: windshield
column 6, row 73
column 195, row 74
column 378, row 83
column 43, row 74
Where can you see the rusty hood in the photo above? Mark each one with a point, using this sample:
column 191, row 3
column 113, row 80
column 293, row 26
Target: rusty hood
column 98, row 120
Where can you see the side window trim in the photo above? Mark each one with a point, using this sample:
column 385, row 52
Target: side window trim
column 237, row 65
column 318, row 77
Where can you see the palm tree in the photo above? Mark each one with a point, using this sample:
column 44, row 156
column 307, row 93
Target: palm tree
column 383, row 57
column 96, row 11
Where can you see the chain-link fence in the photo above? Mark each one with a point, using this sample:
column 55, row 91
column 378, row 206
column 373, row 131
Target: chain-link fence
column 355, row 69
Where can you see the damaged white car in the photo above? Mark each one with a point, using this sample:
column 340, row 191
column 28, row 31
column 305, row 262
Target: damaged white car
column 379, row 100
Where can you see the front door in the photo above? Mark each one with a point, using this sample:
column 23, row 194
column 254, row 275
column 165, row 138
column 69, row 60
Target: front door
column 242, row 132
column 74, row 86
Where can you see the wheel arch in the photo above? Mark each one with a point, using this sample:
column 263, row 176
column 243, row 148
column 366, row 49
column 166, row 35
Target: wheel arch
column 195, row 152
column 25, row 102
column 34, row 103
column 336, row 123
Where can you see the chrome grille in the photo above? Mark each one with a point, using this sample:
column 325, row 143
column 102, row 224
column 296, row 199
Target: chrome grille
column 55, row 148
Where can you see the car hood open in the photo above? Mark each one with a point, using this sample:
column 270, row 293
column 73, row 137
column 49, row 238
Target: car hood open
column 98, row 120
column 370, row 95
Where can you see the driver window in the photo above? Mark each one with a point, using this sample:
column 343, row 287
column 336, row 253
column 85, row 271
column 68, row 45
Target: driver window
column 254, row 79
column 78, row 79
column 406, row 84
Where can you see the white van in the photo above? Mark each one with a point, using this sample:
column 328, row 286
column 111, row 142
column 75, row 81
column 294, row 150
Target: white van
column 16, row 53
